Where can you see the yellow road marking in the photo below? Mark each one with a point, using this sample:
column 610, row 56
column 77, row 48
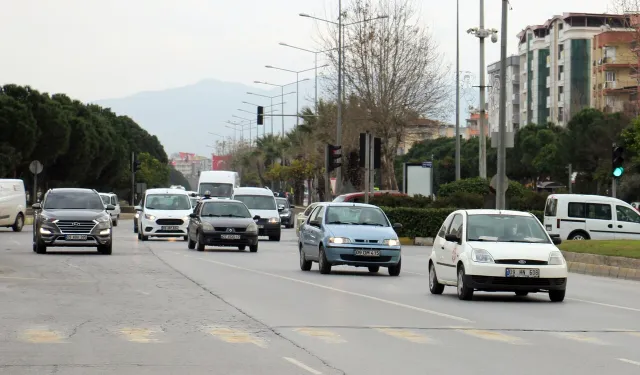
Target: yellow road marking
column 637, row 334
column 492, row 335
column 326, row 336
column 140, row 335
column 405, row 335
column 580, row 338
column 235, row 336
column 43, row 336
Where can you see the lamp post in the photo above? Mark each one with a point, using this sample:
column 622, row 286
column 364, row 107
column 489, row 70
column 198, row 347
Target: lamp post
column 481, row 33
column 264, row 130
column 235, row 126
column 282, row 95
column 297, row 73
column 340, row 75
column 249, row 125
column 271, row 98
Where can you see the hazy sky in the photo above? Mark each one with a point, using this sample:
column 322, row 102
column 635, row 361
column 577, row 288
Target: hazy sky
column 94, row 49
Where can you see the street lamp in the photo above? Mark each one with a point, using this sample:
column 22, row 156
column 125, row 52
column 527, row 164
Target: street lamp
column 340, row 77
column 271, row 98
column 235, row 130
column 297, row 73
column 282, row 95
column 315, row 53
column 249, row 125
column 253, row 113
column 482, row 33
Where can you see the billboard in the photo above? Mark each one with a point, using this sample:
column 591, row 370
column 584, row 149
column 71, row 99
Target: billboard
column 220, row 162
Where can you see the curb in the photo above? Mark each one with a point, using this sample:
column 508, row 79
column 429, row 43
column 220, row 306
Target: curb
column 602, row 265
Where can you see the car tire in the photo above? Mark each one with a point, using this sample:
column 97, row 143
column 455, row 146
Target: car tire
column 323, row 264
column 199, row 244
column 191, row 244
column 434, row 286
column 115, row 222
column 242, row 247
column 106, row 249
column 305, row 264
column 40, row 247
column 135, row 229
column 557, row 295
column 374, row 269
column 185, row 238
column 521, row 293
column 395, row 270
column 274, row 238
column 18, row 223
column 464, row 292
column 253, row 248
column 144, row 238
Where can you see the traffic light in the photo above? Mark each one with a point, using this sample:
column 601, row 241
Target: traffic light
column 334, row 156
column 136, row 164
column 260, row 115
column 618, row 161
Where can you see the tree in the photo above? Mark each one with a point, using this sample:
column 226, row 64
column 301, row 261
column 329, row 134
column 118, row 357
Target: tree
column 152, row 172
column 394, row 69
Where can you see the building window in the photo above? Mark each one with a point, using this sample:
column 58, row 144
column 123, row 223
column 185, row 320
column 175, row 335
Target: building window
column 610, row 76
column 560, row 71
column 560, row 114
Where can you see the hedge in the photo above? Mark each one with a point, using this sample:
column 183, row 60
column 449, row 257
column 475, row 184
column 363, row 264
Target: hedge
column 424, row 222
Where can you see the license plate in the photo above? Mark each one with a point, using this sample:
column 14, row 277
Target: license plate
column 523, row 272
column 260, row 226
column 548, row 227
column 230, row 236
column 170, row 227
column 367, row 253
column 75, row 237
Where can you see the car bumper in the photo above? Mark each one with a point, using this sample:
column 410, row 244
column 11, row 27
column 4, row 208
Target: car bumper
column 268, row 229
column 492, row 277
column 216, row 239
column 152, row 229
column 344, row 255
column 59, row 240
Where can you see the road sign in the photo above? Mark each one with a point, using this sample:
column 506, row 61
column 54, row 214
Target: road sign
column 494, row 183
column 35, row 167
column 427, row 164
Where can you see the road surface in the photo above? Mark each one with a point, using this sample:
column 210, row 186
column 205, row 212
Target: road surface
column 158, row 308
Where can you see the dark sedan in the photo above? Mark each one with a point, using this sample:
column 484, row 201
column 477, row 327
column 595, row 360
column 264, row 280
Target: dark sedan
column 224, row 223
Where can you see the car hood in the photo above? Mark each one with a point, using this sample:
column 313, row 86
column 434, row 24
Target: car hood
column 233, row 222
column 74, row 214
column 361, row 232
column 516, row 250
column 168, row 214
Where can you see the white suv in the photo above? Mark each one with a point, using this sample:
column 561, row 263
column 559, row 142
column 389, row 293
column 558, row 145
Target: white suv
column 164, row 213
column 112, row 198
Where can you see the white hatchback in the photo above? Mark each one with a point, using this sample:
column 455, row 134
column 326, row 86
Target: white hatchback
column 496, row 251
column 164, row 213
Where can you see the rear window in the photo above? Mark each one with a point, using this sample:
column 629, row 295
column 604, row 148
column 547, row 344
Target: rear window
column 551, row 208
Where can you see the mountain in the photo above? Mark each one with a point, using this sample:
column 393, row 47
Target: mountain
column 183, row 117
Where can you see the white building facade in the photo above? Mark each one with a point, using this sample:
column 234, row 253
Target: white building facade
column 513, row 94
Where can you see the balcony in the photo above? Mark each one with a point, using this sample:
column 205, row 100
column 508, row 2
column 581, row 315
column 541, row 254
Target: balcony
column 515, row 99
column 515, row 79
column 561, row 79
column 515, row 118
column 561, row 58
column 561, row 100
column 548, row 102
column 548, row 81
column 548, row 61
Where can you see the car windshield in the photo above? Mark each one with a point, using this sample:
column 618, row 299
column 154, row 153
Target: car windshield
column 355, row 215
column 73, row 201
column 105, row 199
column 257, row 202
column 505, row 228
column 284, row 202
column 216, row 189
column 225, row 209
column 168, row 202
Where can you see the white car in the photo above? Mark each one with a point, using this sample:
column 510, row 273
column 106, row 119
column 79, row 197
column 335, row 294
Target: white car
column 164, row 213
column 496, row 251
column 112, row 198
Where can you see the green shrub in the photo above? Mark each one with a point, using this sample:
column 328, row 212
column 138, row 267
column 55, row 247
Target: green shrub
column 476, row 185
column 388, row 200
column 530, row 200
column 460, row 199
column 539, row 215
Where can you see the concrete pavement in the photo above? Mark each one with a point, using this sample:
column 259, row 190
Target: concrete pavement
column 157, row 307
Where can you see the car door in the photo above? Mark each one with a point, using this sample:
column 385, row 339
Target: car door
column 305, row 230
column 314, row 232
column 194, row 222
column 627, row 223
column 450, row 251
column 438, row 244
column 599, row 221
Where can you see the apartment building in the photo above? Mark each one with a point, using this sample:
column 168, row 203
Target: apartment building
column 556, row 65
column 422, row 129
column 615, row 67
column 513, row 94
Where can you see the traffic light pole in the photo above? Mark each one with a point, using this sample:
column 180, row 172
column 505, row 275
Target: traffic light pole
column 372, row 166
column 133, row 178
column 327, row 174
column 367, row 166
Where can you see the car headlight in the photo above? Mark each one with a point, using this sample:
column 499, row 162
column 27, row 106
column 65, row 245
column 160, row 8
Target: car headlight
column 274, row 220
column 150, row 217
column 105, row 232
column 137, row 215
column 44, row 231
column 252, row 228
column 391, row 242
column 556, row 258
column 481, row 256
column 48, row 219
column 103, row 219
column 207, row 226
column 185, row 219
column 339, row 240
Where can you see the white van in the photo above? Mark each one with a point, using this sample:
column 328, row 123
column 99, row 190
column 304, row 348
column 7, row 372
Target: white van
column 13, row 204
column 591, row 217
column 219, row 183
column 112, row 198
column 261, row 202
column 164, row 213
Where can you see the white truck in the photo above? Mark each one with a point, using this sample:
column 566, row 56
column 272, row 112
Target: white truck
column 220, row 184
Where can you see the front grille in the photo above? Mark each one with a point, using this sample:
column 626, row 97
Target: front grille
column 169, row 222
column 367, row 241
column 235, row 230
column 528, row 262
column 513, row 281
column 75, row 226
column 354, row 258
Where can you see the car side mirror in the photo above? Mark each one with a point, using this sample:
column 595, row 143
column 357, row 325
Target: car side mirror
column 110, row 207
column 256, row 217
column 315, row 223
column 397, row 226
column 137, row 208
column 452, row 238
column 193, row 215
column 36, row 206
column 555, row 238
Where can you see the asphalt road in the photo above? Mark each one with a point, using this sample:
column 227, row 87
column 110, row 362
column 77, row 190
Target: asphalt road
column 158, row 308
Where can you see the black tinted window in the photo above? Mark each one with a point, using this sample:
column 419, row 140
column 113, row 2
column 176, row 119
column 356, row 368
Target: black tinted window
column 230, row 209
column 73, row 200
column 551, row 208
column 595, row 211
column 283, row 202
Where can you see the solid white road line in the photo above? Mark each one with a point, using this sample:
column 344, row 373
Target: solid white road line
column 302, row 365
column 410, row 307
column 605, row 304
column 629, row 361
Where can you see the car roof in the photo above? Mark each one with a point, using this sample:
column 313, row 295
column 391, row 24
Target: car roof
column 583, row 196
column 495, row 212
column 166, row 191
column 253, row 190
column 73, row 190
column 212, row 200
column 349, row 204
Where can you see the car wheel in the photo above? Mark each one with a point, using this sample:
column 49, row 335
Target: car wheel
column 18, row 224
column 199, row 243
column 115, row 222
column 434, row 286
column 242, row 247
column 40, row 247
column 323, row 264
column 135, row 229
column 395, row 270
column 191, row 244
column 106, row 249
column 521, row 293
column 144, row 238
column 305, row 264
column 374, row 269
column 557, row 295
column 185, row 238
column 253, row 248
column 464, row 292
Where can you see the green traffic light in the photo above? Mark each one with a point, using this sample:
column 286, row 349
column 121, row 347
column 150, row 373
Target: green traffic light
column 618, row 172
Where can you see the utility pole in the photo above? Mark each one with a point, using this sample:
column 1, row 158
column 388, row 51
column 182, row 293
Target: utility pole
column 457, row 90
column 483, row 136
column 367, row 166
column 133, row 178
column 502, row 122
column 339, row 120
column 570, row 179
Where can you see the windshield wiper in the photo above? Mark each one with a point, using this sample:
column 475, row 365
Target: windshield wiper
column 481, row 240
column 232, row 215
column 519, row 241
column 339, row 223
column 210, row 215
column 373, row 224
